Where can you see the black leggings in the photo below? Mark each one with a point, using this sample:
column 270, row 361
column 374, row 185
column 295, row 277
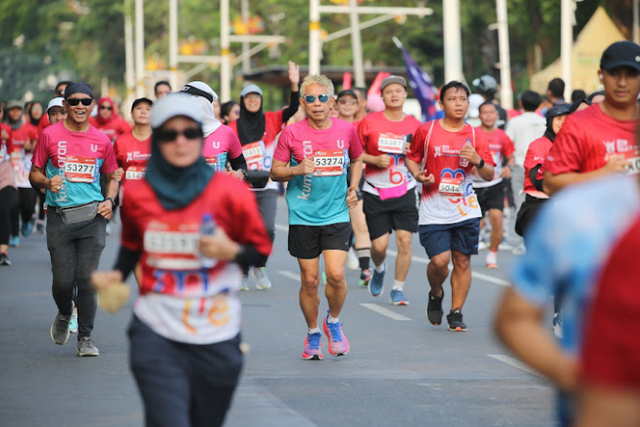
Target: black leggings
column 7, row 194
column 24, row 207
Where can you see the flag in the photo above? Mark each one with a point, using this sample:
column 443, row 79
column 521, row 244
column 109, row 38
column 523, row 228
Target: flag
column 423, row 88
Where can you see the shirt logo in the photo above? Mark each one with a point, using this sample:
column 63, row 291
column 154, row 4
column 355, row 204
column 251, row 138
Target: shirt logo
column 438, row 151
column 610, row 146
column 340, row 144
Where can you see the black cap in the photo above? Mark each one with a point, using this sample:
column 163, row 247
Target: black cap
column 347, row 92
column 141, row 100
column 621, row 54
column 558, row 110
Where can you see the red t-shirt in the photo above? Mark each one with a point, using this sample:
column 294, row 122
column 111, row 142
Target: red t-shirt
column 113, row 128
column 166, row 238
column 272, row 127
column 500, row 146
column 26, row 132
column 536, row 155
column 44, row 122
column 379, row 136
column 587, row 140
column 132, row 155
column 611, row 348
column 443, row 161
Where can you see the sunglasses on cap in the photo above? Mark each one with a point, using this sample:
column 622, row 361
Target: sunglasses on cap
column 75, row 101
column 169, row 135
column 312, row 98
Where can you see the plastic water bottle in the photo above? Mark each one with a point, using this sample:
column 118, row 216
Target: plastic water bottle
column 463, row 162
column 207, row 228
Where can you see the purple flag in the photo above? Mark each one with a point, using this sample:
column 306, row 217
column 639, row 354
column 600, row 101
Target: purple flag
column 422, row 86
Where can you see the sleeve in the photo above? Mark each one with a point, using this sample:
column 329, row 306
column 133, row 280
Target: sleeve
column 483, row 150
column 566, row 153
column 41, row 153
column 126, row 262
column 508, row 148
column 363, row 130
column 416, row 150
column 130, row 238
column 109, row 165
column 118, row 151
column 355, row 147
column 535, row 277
column 294, row 103
column 239, row 163
column 282, row 152
column 529, row 159
column 234, row 126
column 235, row 148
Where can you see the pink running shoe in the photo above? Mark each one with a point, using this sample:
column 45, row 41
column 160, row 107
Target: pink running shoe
column 312, row 344
column 338, row 343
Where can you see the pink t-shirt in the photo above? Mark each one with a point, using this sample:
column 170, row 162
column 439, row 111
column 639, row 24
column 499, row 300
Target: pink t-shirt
column 220, row 146
column 79, row 157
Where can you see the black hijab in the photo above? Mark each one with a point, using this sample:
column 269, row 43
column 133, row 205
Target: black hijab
column 251, row 126
column 552, row 113
column 175, row 187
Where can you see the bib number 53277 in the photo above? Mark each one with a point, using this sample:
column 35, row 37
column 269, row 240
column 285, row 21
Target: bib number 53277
column 81, row 169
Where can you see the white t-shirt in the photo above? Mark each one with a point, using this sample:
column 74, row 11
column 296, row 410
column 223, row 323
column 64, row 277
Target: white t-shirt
column 523, row 130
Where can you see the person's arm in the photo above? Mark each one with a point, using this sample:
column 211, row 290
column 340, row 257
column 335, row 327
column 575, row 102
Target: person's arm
column 238, row 163
column 356, row 174
column 38, row 179
column 423, row 177
column 469, row 153
column 507, row 169
column 294, row 98
column 518, row 324
column 283, row 172
column 554, row 183
column 113, row 186
column 533, row 177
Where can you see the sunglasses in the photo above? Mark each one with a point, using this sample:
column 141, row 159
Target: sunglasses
column 169, row 135
column 345, row 101
column 312, row 98
column 75, row 101
column 104, row 107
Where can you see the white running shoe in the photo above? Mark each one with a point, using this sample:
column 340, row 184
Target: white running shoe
column 262, row 280
column 520, row 249
column 491, row 260
column 483, row 246
column 352, row 260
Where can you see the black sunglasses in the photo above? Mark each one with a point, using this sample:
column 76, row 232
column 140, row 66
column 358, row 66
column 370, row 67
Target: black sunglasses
column 311, row 98
column 75, row 101
column 169, row 135
column 104, row 107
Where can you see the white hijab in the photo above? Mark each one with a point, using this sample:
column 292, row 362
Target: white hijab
column 209, row 121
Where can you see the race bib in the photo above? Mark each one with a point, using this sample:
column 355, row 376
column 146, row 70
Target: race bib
column 17, row 154
column 451, row 187
column 635, row 166
column 329, row 163
column 212, row 162
column 172, row 246
column 135, row 172
column 254, row 155
column 391, row 143
column 81, row 169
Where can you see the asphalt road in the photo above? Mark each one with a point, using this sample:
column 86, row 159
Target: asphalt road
column 401, row 370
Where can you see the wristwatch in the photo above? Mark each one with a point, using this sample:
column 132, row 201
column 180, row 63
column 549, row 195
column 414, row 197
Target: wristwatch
column 244, row 173
column 481, row 164
column 113, row 204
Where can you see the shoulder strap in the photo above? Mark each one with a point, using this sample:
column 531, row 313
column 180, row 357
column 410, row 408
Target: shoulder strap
column 423, row 163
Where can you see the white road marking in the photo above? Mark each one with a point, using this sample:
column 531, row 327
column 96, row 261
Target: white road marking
column 385, row 312
column 422, row 260
column 513, row 362
column 289, row 274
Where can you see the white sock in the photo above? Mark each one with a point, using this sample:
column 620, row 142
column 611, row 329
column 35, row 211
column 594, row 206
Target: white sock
column 397, row 285
column 332, row 319
column 379, row 268
column 315, row 330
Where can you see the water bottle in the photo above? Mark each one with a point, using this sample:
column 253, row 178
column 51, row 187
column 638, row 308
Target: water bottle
column 207, row 228
column 463, row 162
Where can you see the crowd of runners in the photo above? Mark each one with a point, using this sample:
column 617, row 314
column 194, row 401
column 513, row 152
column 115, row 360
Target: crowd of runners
column 197, row 181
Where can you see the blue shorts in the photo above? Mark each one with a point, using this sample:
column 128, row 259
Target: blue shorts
column 461, row 237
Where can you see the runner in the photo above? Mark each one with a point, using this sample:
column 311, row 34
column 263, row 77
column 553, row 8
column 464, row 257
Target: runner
column 442, row 156
column 8, row 189
column 313, row 156
column 108, row 121
column 566, row 248
column 599, row 140
column 68, row 159
column 221, row 145
column 390, row 195
column 257, row 132
column 229, row 111
column 491, row 194
column 185, row 337
column 161, row 89
column 58, row 92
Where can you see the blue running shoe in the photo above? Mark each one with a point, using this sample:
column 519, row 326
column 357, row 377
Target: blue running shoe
column 397, row 297
column 27, row 228
column 377, row 281
column 73, row 322
column 338, row 343
column 312, row 344
column 14, row 241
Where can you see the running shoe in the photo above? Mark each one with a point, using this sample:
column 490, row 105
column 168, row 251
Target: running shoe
column 4, row 259
column 86, row 347
column 504, row 246
column 397, row 297
column 491, row 260
column 377, row 281
column 519, row 250
column 27, row 228
column 557, row 325
column 40, row 227
column 482, row 246
column 262, row 280
column 312, row 347
column 14, row 241
column 352, row 260
column 60, row 329
column 244, row 285
column 338, row 343
column 434, row 309
column 73, row 322
column 365, row 277
column 455, row 321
